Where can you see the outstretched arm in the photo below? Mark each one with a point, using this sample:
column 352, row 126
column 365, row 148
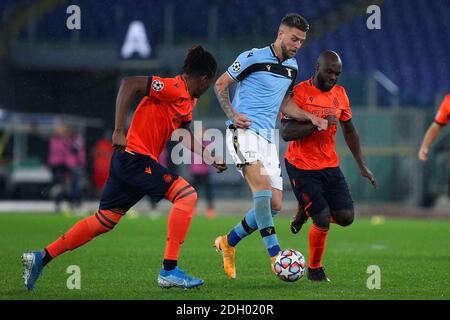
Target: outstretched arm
column 430, row 136
column 128, row 88
column 352, row 140
column 223, row 95
column 294, row 130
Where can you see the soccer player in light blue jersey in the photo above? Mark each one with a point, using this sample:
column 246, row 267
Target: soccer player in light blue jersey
column 264, row 77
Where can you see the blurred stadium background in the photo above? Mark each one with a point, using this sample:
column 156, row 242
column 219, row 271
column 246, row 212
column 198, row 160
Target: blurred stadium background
column 395, row 77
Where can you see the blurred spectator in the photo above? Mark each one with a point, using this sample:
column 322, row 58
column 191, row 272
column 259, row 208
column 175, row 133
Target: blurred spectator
column 101, row 157
column 67, row 159
column 59, row 149
column 76, row 161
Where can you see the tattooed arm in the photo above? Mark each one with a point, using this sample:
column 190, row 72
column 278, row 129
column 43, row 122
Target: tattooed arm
column 223, row 95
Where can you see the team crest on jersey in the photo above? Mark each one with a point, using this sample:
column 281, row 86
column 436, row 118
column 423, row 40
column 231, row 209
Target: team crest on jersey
column 168, row 178
column 336, row 102
column 236, row 66
column 157, row 85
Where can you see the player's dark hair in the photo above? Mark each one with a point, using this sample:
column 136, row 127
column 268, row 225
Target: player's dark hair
column 294, row 20
column 199, row 62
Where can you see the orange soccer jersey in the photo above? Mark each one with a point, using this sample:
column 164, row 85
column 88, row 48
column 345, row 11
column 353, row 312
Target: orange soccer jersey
column 165, row 107
column 318, row 151
column 443, row 113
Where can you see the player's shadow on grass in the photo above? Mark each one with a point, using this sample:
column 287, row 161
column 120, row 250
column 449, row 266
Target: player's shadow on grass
column 269, row 286
column 18, row 294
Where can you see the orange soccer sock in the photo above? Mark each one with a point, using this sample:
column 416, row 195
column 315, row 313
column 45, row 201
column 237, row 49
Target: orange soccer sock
column 317, row 241
column 184, row 197
column 84, row 231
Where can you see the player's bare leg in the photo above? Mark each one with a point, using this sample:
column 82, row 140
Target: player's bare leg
column 343, row 217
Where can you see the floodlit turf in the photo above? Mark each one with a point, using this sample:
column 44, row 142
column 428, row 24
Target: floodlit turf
column 413, row 256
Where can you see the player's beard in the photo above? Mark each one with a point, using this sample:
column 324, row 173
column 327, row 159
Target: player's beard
column 285, row 52
column 323, row 85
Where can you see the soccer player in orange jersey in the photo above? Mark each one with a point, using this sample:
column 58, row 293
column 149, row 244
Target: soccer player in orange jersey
column 312, row 162
column 434, row 130
column 134, row 172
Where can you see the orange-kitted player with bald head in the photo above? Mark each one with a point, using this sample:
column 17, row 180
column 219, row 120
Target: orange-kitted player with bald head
column 312, row 162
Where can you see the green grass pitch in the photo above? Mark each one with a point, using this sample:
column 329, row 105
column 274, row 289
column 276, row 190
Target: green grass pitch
column 413, row 256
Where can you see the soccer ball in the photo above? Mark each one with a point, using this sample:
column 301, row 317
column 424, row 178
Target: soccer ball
column 289, row 265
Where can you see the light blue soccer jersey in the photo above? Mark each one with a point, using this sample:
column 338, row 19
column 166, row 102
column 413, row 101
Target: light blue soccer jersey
column 262, row 82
